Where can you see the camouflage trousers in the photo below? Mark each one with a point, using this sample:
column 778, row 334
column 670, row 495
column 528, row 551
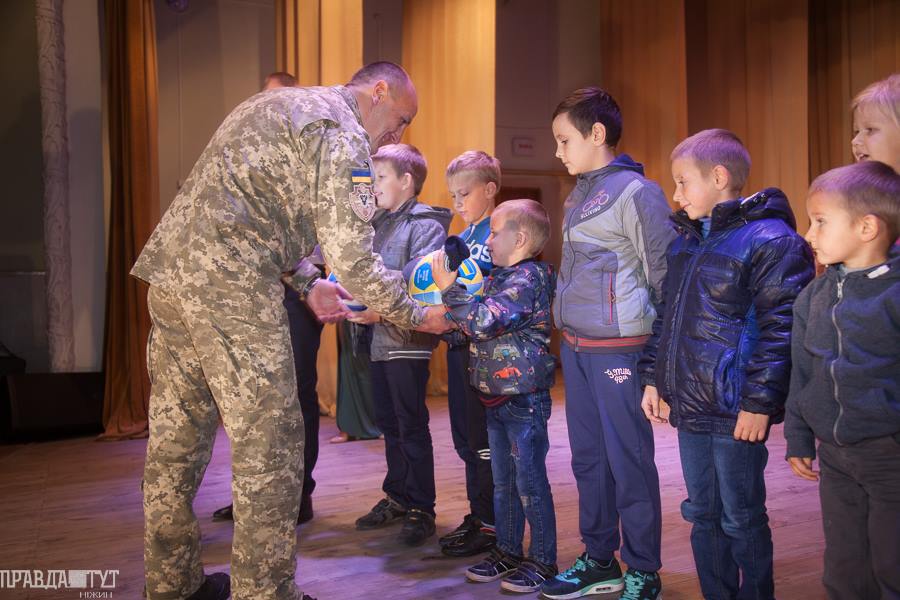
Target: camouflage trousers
column 236, row 363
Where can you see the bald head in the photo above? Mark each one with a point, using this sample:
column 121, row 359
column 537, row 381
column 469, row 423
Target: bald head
column 387, row 101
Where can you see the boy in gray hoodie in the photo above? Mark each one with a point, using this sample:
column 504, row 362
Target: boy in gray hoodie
column 405, row 231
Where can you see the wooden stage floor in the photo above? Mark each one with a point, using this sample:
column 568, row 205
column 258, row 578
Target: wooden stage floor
column 76, row 504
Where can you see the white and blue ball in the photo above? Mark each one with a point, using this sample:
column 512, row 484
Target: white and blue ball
column 425, row 291
column 348, row 302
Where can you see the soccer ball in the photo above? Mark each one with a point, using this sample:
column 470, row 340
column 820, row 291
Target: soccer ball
column 348, row 302
column 423, row 289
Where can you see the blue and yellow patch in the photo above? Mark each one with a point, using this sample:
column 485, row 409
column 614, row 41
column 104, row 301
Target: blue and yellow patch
column 361, row 176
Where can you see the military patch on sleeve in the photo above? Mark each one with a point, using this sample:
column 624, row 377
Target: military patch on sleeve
column 362, row 194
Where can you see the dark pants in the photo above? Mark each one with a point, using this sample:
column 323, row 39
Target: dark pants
column 860, row 493
column 726, row 504
column 468, row 426
column 612, row 458
column 306, row 332
column 398, row 389
column 519, row 442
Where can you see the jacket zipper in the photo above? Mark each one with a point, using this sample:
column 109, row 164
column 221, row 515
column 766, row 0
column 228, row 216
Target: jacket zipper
column 677, row 320
column 568, row 240
column 611, row 296
column 831, row 369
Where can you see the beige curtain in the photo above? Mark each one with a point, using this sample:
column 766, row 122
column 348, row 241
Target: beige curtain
column 134, row 210
column 320, row 42
column 449, row 50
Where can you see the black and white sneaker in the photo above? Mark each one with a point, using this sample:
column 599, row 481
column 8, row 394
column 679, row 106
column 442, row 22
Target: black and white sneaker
column 470, row 523
column 496, row 565
column 529, row 577
column 387, row 511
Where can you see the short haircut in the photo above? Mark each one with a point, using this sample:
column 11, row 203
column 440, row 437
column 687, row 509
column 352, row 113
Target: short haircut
column 593, row 105
column 528, row 216
column 396, row 78
column 713, row 147
column 282, row 78
column 481, row 165
column 868, row 187
column 883, row 95
column 405, row 158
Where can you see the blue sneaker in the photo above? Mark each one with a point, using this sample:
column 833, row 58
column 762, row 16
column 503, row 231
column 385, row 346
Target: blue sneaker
column 584, row 578
column 497, row 565
column 528, row 578
column 642, row 585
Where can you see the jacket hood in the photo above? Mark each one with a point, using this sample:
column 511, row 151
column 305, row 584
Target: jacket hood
column 622, row 162
column 413, row 209
column 888, row 270
column 770, row 203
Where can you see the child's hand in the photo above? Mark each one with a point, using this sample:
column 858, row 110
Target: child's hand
column 442, row 277
column 650, row 404
column 802, row 467
column 751, row 427
column 365, row 317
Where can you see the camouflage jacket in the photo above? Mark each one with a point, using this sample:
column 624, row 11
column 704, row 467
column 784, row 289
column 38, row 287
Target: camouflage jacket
column 287, row 169
column 508, row 329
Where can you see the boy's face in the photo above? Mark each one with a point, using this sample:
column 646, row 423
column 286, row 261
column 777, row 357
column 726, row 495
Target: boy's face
column 577, row 152
column 875, row 136
column 503, row 240
column 833, row 231
column 391, row 190
column 472, row 199
column 695, row 192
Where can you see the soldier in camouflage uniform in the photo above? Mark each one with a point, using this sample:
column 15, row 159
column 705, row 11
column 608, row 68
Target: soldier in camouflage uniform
column 286, row 170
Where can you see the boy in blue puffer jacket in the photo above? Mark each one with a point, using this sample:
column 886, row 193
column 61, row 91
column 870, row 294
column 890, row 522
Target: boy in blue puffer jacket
column 845, row 382
column 512, row 369
column 720, row 354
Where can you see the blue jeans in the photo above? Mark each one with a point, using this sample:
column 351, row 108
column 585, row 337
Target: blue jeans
column 517, row 434
column 726, row 503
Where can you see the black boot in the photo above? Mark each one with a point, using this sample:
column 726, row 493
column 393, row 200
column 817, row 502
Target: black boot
column 215, row 587
column 226, row 513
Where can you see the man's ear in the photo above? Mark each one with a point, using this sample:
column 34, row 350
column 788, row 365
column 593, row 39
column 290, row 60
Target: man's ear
column 598, row 134
column 870, row 227
column 407, row 181
column 379, row 91
column 490, row 189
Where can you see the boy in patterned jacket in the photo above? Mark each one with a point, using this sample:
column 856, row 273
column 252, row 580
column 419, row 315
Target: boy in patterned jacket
column 513, row 371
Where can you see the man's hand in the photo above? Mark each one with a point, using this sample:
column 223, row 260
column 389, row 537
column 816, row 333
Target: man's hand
column 442, row 277
column 365, row 317
column 650, row 405
column 751, row 427
column 802, row 467
column 325, row 301
column 435, row 321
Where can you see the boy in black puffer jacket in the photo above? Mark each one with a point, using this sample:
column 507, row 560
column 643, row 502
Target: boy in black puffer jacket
column 845, row 382
column 720, row 354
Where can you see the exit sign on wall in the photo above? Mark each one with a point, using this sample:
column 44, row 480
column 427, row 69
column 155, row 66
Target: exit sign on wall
column 523, row 146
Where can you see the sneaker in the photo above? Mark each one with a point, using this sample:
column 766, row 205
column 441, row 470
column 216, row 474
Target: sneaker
column 529, row 577
column 384, row 513
column 585, row 577
column 417, row 527
column 642, row 585
column 216, row 586
column 470, row 523
column 306, row 510
column 476, row 542
column 497, row 565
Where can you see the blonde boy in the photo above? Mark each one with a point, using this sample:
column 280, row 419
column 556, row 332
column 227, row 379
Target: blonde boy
column 876, row 123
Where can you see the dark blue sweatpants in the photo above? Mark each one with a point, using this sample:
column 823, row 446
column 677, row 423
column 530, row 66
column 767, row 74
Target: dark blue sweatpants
column 612, row 458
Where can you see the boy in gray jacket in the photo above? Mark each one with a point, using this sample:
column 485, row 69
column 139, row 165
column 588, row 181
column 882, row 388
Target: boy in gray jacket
column 615, row 236
column 405, row 230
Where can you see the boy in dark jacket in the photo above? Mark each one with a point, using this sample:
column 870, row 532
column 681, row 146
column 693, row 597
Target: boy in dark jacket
column 720, row 354
column 615, row 235
column 513, row 371
column 845, row 382
column 404, row 231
